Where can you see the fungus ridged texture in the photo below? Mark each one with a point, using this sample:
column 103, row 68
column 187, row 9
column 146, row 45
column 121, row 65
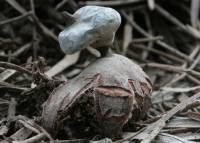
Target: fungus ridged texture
column 120, row 91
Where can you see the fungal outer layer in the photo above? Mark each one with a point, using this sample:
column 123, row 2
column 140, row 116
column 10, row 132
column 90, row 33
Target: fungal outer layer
column 121, row 89
column 91, row 25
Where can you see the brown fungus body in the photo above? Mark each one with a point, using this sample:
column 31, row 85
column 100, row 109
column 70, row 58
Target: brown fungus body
column 121, row 91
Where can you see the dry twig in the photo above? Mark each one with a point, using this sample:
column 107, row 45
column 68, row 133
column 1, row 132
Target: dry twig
column 153, row 130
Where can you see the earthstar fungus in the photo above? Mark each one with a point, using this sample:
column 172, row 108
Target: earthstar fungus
column 119, row 88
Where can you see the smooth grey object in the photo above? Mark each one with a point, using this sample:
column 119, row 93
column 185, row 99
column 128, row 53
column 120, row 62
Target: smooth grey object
column 90, row 26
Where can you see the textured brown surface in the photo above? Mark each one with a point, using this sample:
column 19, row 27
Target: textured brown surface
column 120, row 87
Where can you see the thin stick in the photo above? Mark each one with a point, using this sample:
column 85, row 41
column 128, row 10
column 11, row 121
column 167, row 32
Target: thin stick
column 19, row 51
column 94, row 51
column 15, row 19
column 6, row 74
column 180, row 90
column 171, row 68
column 150, row 31
column 71, row 141
column 33, row 139
column 110, row 3
column 193, row 79
column 35, row 40
column 151, row 4
column 160, row 53
column 66, row 62
column 12, row 108
column 127, row 35
column 29, row 126
column 194, row 12
column 60, row 4
column 32, row 5
column 14, row 67
column 144, row 40
column 6, row 85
